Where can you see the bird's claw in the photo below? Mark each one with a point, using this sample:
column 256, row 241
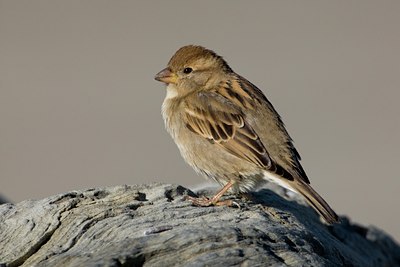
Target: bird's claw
column 206, row 202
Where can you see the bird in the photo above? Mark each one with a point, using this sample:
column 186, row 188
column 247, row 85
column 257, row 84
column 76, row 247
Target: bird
column 227, row 130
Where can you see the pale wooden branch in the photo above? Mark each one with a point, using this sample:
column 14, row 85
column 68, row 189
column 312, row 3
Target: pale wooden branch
column 151, row 225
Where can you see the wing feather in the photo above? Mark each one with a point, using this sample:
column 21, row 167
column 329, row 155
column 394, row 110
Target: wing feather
column 220, row 121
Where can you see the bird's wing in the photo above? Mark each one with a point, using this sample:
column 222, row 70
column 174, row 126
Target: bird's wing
column 252, row 93
column 222, row 122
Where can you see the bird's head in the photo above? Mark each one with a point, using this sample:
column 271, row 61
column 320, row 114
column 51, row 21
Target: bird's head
column 194, row 68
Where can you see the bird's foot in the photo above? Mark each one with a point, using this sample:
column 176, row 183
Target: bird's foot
column 214, row 201
column 206, row 202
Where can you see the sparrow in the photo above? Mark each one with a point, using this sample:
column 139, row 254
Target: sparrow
column 227, row 130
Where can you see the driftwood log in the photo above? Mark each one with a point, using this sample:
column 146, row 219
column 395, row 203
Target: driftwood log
column 151, row 225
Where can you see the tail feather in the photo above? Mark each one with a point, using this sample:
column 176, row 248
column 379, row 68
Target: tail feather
column 316, row 201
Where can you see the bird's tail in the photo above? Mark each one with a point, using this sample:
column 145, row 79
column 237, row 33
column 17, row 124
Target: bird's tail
column 316, row 201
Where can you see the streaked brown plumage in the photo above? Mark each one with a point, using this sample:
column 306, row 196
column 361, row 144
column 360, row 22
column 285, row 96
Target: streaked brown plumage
column 226, row 128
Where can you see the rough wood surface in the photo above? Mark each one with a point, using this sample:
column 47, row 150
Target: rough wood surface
column 150, row 225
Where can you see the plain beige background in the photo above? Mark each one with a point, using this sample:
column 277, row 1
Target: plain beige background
column 79, row 107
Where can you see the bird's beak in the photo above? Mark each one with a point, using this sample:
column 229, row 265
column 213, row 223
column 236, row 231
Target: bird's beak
column 166, row 76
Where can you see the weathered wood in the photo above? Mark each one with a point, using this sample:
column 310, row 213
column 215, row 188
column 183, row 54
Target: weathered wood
column 150, row 225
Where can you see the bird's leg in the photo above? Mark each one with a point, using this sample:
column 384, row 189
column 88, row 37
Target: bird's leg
column 205, row 202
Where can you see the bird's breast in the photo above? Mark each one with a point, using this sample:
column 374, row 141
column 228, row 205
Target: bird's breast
column 171, row 111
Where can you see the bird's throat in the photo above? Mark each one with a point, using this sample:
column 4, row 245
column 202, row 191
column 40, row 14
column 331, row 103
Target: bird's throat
column 172, row 91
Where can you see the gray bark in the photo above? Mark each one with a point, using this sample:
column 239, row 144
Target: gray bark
column 151, row 225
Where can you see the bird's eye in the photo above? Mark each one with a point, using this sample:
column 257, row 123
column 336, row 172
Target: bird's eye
column 187, row 70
